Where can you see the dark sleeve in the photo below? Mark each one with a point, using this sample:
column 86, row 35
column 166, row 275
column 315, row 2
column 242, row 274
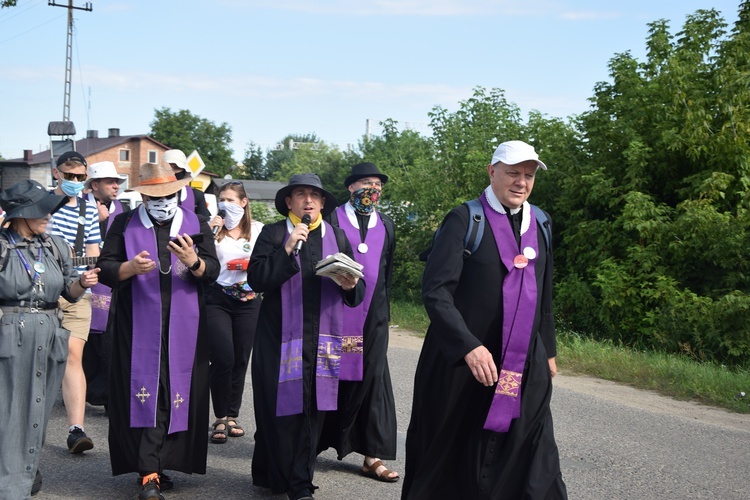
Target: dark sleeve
column 356, row 295
column 547, row 323
column 270, row 266
column 439, row 281
column 390, row 249
column 207, row 251
column 113, row 253
column 201, row 210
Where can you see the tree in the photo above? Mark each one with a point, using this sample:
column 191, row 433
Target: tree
column 254, row 165
column 8, row 3
column 188, row 132
column 655, row 251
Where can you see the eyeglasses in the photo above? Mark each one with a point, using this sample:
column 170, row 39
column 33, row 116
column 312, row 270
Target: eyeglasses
column 233, row 183
column 68, row 176
column 370, row 183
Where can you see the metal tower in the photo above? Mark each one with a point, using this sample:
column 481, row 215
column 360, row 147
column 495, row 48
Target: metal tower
column 69, row 52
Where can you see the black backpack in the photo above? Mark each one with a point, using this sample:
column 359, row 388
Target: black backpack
column 475, row 229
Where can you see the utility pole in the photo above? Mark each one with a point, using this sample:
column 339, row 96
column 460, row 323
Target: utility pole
column 69, row 52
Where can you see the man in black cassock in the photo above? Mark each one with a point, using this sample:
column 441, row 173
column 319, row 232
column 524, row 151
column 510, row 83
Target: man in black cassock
column 365, row 421
column 481, row 425
column 158, row 393
column 299, row 331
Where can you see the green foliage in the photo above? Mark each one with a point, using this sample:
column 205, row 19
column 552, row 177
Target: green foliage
column 188, row 132
column 8, row 3
column 654, row 248
column 264, row 213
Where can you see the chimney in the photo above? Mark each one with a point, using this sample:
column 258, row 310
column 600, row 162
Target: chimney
column 27, row 155
column 92, row 134
column 114, row 132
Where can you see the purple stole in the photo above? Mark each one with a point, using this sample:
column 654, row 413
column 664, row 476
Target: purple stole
column 519, row 309
column 189, row 201
column 290, row 391
column 147, row 327
column 101, row 295
column 352, row 348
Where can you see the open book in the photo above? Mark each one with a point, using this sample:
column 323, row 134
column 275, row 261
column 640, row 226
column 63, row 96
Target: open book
column 337, row 264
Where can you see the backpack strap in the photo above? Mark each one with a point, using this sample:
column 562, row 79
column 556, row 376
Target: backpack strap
column 475, row 229
column 543, row 221
column 78, row 246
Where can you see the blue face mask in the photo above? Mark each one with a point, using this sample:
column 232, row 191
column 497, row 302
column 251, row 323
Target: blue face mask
column 71, row 188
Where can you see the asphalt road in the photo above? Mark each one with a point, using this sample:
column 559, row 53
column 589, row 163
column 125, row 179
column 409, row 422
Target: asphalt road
column 615, row 443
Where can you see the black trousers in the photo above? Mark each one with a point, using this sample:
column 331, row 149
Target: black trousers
column 232, row 326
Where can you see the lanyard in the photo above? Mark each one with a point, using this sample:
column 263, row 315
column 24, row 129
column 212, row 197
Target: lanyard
column 40, row 259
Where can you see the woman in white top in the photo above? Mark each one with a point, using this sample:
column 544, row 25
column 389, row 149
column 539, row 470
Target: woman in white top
column 231, row 309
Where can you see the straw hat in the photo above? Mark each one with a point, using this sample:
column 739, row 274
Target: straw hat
column 158, row 180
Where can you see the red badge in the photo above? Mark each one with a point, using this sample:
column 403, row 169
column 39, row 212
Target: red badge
column 520, row 261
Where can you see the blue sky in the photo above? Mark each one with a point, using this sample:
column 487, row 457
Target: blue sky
column 269, row 68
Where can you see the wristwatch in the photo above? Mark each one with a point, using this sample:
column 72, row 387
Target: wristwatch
column 196, row 266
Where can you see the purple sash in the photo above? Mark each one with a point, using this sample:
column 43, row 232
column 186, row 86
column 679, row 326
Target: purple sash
column 519, row 309
column 290, row 392
column 147, row 328
column 101, row 295
column 352, row 347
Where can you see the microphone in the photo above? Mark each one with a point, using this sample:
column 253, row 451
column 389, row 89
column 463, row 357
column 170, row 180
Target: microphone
column 222, row 214
column 298, row 245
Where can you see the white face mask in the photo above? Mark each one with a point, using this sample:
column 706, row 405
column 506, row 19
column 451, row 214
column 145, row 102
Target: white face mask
column 163, row 209
column 234, row 214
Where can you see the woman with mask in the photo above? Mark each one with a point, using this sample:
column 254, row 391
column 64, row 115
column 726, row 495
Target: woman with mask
column 232, row 309
column 35, row 270
column 157, row 259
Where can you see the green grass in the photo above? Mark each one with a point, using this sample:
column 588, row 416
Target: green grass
column 671, row 375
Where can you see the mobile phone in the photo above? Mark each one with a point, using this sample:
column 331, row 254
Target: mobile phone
column 197, row 238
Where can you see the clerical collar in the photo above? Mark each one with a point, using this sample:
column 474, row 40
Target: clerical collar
column 498, row 207
column 351, row 214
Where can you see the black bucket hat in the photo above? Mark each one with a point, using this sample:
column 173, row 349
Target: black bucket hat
column 29, row 200
column 307, row 179
column 362, row 170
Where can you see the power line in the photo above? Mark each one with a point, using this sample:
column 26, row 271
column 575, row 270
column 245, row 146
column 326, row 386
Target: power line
column 17, row 12
column 30, row 29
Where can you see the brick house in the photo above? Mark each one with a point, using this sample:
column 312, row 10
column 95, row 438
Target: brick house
column 127, row 152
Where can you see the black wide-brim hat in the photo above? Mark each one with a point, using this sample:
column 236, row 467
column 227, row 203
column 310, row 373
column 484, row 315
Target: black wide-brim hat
column 29, row 200
column 307, row 179
column 362, row 170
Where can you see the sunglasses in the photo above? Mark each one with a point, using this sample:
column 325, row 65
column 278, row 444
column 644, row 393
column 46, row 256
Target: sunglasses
column 167, row 197
column 68, row 176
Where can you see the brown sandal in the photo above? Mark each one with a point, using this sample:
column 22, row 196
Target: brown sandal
column 215, row 433
column 371, row 471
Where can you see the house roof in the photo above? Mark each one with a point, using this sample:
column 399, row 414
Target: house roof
column 87, row 147
column 256, row 190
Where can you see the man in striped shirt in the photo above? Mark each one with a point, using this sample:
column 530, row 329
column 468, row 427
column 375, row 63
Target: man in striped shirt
column 78, row 223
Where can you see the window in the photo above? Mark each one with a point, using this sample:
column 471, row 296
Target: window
column 124, row 155
column 152, row 156
column 125, row 185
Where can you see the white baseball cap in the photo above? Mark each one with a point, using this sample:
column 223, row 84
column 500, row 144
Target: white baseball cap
column 177, row 157
column 103, row 170
column 512, row 152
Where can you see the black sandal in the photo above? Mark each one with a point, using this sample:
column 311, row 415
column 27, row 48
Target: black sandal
column 235, row 427
column 215, row 432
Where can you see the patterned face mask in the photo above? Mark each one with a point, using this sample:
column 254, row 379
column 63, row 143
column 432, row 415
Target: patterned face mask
column 364, row 200
column 162, row 209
